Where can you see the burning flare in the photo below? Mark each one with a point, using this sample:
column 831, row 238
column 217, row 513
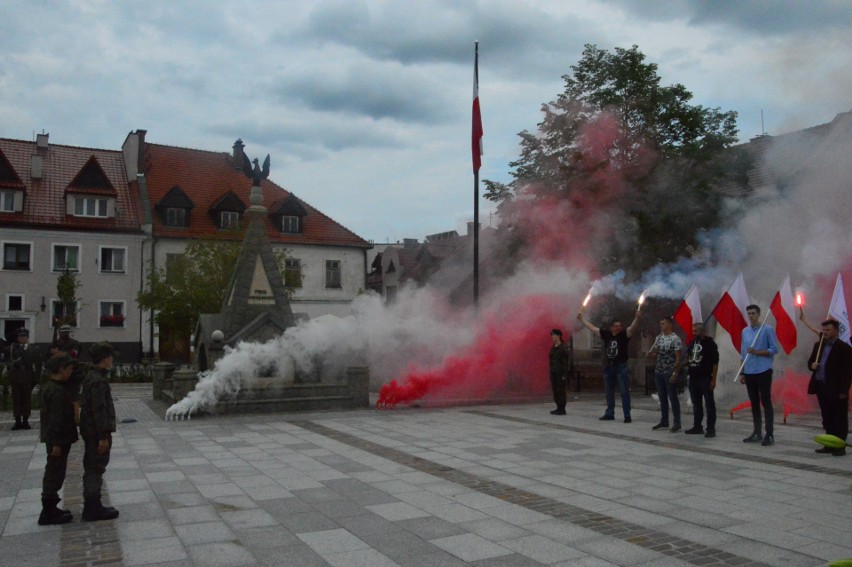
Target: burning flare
column 642, row 299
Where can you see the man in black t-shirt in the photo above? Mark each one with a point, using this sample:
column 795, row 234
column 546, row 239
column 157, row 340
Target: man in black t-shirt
column 616, row 341
column 702, row 359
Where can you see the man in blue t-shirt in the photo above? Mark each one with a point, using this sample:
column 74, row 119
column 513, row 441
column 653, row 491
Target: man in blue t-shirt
column 616, row 341
column 759, row 347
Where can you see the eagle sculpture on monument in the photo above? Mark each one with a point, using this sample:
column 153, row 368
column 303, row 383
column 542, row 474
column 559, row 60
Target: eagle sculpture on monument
column 256, row 173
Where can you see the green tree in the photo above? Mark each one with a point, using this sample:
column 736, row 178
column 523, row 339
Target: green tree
column 67, row 285
column 192, row 283
column 618, row 138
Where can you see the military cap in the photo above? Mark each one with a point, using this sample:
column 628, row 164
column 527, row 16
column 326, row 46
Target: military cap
column 100, row 351
column 22, row 332
column 65, row 329
column 56, row 363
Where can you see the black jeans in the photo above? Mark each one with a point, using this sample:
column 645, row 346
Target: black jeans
column 759, row 388
column 701, row 394
column 835, row 412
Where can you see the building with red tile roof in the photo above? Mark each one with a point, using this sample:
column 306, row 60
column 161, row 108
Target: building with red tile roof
column 69, row 208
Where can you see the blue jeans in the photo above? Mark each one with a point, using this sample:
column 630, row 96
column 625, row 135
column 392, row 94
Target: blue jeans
column 667, row 393
column 616, row 374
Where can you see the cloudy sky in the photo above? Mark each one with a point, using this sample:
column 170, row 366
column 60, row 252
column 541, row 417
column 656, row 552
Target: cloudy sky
column 364, row 105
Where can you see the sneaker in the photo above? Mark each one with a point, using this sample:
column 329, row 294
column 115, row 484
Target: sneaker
column 824, row 450
column 697, row 430
column 606, row 418
column 660, row 426
column 710, row 434
column 768, row 440
column 755, row 438
column 557, row 412
column 628, row 419
column 675, row 428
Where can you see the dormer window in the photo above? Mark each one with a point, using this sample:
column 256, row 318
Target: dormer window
column 90, row 207
column 290, row 223
column 175, row 207
column 175, row 216
column 229, row 220
column 7, row 201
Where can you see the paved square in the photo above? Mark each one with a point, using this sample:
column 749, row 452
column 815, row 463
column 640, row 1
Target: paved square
column 483, row 485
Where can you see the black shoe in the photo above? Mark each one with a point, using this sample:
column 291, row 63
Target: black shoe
column 839, row 452
column 755, row 438
column 17, row 425
column 52, row 517
column 628, row 419
column 694, row 430
column 710, row 434
column 768, row 440
column 824, row 450
column 558, row 412
column 606, row 418
column 675, row 428
column 25, row 424
column 95, row 511
column 660, row 426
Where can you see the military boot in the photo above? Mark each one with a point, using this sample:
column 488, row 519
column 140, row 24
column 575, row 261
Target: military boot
column 17, row 423
column 94, row 511
column 51, row 515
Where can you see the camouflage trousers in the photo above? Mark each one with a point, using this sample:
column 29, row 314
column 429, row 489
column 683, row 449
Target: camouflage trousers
column 94, row 467
column 54, row 473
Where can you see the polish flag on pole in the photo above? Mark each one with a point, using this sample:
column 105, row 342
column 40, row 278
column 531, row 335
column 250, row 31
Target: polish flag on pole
column 730, row 312
column 837, row 309
column 689, row 312
column 784, row 311
column 476, row 130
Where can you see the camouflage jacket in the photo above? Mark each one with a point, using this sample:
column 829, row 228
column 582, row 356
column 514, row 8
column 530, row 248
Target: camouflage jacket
column 97, row 412
column 57, row 415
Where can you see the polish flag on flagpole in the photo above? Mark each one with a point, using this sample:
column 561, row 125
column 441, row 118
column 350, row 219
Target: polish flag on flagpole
column 730, row 312
column 689, row 312
column 476, row 129
column 785, row 316
column 837, row 309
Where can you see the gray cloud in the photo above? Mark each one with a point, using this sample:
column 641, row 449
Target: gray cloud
column 756, row 16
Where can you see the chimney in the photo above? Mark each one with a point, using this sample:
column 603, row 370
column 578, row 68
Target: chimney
column 41, row 141
column 37, row 167
column 238, row 153
column 140, row 164
column 133, row 151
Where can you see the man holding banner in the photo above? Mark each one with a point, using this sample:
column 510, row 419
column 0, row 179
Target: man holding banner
column 831, row 363
column 758, row 348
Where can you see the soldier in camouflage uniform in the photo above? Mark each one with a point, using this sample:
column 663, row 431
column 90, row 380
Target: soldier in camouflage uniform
column 25, row 364
column 97, row 424
column 58, row 432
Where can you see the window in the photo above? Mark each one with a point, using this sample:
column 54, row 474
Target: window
column 112, row 314
column 7, row 201
column 112, row 260
column 90, row 207
column 14, row 303
column 230, row 220
column 63, row 314
column 66, row 257
column 174, row 267
column 289, row 223
column 16, row 256
column 332, row 273
column 175, row 216
column 293, row 273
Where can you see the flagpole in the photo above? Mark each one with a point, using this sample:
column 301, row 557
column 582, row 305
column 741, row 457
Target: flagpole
column 476, row 192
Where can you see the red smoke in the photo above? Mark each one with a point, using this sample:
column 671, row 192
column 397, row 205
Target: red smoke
column 789, row 394
column 509, row 356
